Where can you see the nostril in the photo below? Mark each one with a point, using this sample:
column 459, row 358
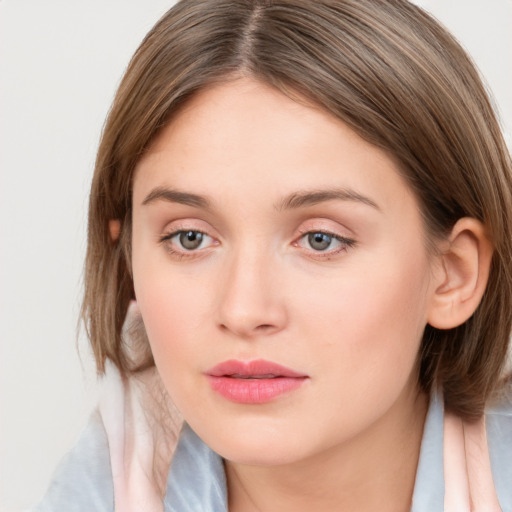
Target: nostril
column 264, row 327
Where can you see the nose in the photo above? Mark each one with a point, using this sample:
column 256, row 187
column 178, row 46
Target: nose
column 250, row 303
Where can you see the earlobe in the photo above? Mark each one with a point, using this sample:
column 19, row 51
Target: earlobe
column 463, row 274
column 114, row 228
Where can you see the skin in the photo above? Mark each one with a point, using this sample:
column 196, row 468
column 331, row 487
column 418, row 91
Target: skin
column 350, row 317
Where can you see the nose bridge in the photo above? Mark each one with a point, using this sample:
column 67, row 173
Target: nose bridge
column 250, row 301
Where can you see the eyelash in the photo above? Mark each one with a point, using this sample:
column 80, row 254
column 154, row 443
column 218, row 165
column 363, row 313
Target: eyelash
column 345, row 243
column 183, row 253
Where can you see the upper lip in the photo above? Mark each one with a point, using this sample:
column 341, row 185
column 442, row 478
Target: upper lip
column 257, row 368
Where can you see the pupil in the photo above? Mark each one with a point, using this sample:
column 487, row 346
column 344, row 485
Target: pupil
column 319, row 241
column 191, row 239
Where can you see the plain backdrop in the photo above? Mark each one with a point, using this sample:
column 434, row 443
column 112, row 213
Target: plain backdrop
column 60, row 63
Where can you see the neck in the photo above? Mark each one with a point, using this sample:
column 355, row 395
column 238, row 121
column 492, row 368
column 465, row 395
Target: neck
column 373, row 471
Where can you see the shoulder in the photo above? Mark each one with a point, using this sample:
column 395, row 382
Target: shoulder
column 499, row 435
column 83, row 479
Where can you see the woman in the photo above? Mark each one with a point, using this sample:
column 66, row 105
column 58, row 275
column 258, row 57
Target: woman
column 310, row 205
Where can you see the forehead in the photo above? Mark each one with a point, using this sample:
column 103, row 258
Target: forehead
column 244, row 137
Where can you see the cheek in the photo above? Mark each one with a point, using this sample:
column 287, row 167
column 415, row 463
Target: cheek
column 371, row 319
column 171, row 302
column 172, row 311
column 172, row 315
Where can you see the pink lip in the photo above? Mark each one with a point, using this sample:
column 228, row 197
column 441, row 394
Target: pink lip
column 253, row 382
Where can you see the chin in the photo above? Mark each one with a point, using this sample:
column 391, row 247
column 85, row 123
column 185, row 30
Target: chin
column 257, row 442
column 259, row 454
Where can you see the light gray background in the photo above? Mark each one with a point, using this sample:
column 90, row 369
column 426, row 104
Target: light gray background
column 60, row 62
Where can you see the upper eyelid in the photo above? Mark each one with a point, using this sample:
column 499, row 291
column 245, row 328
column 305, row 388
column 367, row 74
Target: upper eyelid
column 182, row 225
column 326, row 225
column 340, row 234
column 172, row 233
column 175, row 232
column 340, row 238
column 326, row 231
column 187, row 224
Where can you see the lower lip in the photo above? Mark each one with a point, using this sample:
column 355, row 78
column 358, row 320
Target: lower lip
column 254, row 391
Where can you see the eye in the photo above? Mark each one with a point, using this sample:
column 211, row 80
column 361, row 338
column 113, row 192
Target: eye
column 187, row 240
column 190, row 240
column 320, row 241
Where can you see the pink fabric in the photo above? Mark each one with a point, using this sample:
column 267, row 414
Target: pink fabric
column 142, row 427
column 469, row 486
column 141, row 446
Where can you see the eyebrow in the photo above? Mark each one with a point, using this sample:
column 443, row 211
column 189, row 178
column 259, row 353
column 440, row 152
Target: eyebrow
column 310, row 198
column 176, row 196
column 293, row 201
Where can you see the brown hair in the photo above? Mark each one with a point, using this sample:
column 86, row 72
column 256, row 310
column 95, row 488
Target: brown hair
column 385, row 68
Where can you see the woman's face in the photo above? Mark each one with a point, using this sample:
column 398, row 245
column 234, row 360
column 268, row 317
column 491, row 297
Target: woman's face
column 280, row 268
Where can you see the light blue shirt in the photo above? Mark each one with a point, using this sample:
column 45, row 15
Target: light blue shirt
column 197, row 482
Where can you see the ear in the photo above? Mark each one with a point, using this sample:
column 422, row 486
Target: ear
column 114, row 228
column 462, row 276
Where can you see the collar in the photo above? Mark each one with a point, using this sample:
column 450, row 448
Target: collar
column 197, row 480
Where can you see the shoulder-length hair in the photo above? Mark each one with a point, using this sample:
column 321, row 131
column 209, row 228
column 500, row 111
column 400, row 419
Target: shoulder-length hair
column 386, row 69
